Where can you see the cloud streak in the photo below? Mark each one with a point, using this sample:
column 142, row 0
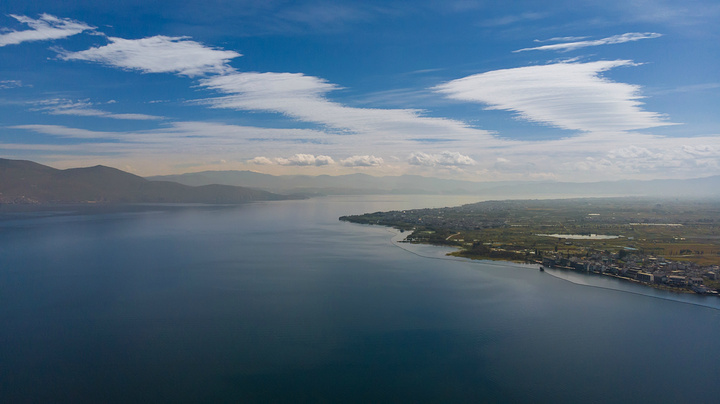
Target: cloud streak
column 571, row 96
column 294, row 95
column 158, row 54
column 612, row 40
column 5, row 84
column 303, row 97
column 184, row 134
column 84, row 108
column 47, row 27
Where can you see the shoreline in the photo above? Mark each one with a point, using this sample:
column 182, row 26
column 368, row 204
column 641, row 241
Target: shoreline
column 673, row 296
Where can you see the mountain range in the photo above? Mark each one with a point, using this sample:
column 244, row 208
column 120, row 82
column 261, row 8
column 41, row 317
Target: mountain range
column 26, row 182
column 353, row 184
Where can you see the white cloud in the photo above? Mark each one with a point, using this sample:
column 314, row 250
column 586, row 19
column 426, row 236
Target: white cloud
column 305, row 160
column 655, row 158
column 566, row 95
column 422, row 159
column 587, row 157
column 561, row 39
column 158, row 54
column 362, row 161
column 71, row 133
column 197, row 136
column 615, row 39
column 633, row 152
column 688, row 89
column 47, row 27
column 603, row 156
column 84, row 108
column 4, row 84
column 702, row 150
column 303, row 97
column 445, row 158
column 296, row 160
column 293, row 94
column 138, row 117
column 260, row 160
column 257, row 87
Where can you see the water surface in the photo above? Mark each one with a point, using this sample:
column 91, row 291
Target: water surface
column 281, row 302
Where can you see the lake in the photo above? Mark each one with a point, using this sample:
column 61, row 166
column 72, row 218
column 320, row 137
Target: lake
column 281, row 302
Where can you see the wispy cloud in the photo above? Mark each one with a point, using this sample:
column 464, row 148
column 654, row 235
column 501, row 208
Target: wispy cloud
column 71, row 133
column 694, row 13
column 5, row 84
column 303, row 97
column 561, row 39
column 158, row 54
column 292, row 94
column 184, row 134
column 566, row 95
column 400, row 97
column 687, row 89
column 611, row 40
column 425, row 71
column 85, row 108
column 47, row 27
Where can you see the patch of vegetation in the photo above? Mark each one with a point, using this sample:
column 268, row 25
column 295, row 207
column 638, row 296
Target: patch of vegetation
column 518, row 230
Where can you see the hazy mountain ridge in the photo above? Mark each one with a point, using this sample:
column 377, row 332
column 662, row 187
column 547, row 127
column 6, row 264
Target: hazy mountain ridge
column 26, row 182
column 353, row 184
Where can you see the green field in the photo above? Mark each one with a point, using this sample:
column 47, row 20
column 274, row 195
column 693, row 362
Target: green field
column 687, row 231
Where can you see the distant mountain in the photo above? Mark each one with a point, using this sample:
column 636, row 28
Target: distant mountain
column 28, row 182
column 350, row 184
column 412, row 184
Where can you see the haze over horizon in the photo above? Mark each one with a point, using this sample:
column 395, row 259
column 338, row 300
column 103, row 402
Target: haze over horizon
column 471, row 90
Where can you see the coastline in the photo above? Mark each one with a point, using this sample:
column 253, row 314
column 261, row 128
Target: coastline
column 614, row 283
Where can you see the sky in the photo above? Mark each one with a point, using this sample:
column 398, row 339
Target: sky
column 476, row 90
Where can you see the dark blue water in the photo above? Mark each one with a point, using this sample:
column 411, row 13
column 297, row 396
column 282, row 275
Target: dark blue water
column 281, row 302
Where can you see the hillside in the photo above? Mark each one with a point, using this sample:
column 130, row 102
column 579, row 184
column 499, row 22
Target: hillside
column 26, row 182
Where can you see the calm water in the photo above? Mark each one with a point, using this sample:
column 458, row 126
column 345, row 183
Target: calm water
column 281, row 302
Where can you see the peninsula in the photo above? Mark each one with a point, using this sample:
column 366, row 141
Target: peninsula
column 667, row 244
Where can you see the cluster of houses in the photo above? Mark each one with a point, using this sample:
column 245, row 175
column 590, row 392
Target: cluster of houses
column 649, row 270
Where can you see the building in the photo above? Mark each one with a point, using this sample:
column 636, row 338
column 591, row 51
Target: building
column 677, row 280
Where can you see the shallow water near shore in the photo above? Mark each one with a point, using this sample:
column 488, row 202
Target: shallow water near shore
column 281, row 302
column 578, row 278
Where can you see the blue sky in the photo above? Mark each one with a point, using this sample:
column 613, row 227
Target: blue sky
column 478, row 90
